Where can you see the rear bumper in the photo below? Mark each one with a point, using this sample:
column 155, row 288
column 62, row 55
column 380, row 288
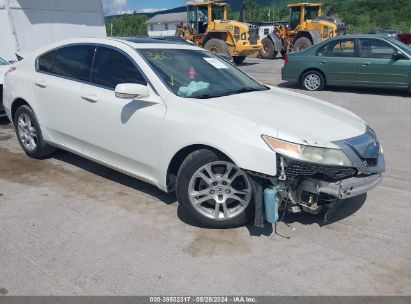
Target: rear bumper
column 350, row 187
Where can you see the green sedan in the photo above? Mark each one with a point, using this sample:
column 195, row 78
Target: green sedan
column 352, row 60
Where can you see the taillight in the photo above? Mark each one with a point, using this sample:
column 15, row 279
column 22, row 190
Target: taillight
column 11, row 69
column 286, row 58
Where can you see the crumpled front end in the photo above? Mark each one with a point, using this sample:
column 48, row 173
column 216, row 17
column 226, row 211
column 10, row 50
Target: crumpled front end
column 310, row 187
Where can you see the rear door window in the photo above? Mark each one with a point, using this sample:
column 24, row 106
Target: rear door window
column 74, row 62
column 375, row 48
column 46, row 61
column 111, row 67
column 338, row 48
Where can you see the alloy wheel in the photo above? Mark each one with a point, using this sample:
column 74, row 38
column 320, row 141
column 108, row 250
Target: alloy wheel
column 312, row 82
column 219, row 190
column 27, row 132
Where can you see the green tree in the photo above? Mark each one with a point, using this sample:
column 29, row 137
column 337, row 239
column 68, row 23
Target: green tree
column 127, row 26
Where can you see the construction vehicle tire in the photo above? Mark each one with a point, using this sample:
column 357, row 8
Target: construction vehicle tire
column 217, row 46
column 302, row 43
column 239, row 59
column 268, row 50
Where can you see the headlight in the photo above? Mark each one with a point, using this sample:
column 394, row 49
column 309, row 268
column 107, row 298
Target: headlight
column 243, row 36
column 324, row 156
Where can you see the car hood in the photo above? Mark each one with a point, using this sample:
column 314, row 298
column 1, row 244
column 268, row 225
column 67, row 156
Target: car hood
column 293, row 117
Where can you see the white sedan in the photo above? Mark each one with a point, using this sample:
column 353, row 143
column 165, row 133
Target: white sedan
column 4, row 66
column 185, row 120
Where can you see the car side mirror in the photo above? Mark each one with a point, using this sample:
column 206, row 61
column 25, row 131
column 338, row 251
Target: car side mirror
column 131, row 91
column 398, row 56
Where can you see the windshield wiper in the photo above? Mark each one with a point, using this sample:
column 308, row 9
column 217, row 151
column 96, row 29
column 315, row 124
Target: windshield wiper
column 206, row 96
column 242, row 90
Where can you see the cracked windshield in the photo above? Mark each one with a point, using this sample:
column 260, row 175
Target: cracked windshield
column 198, row 74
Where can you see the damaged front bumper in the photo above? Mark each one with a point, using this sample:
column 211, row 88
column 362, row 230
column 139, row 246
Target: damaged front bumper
column 350, row 187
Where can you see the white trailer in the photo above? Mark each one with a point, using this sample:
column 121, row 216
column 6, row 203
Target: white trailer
column 26, row 25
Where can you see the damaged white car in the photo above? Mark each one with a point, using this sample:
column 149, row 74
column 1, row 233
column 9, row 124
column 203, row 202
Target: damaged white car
column 180, row 118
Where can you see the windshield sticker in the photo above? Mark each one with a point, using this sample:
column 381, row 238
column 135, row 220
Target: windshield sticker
column 216, row 63
column 159, row 56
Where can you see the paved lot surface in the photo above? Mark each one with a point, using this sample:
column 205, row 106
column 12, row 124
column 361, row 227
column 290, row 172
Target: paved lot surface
column 71, row 227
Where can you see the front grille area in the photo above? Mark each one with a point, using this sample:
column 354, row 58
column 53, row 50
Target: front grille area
column 295, row 168
column 253, row 36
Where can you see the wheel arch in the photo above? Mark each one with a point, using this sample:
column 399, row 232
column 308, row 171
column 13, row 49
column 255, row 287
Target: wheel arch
column 16, row 104
column 312, row 69
column 178, row 158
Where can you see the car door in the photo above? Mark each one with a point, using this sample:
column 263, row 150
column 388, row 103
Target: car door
column 58, row 80
column 124, row 133
column 377, row 66
column 338, row 60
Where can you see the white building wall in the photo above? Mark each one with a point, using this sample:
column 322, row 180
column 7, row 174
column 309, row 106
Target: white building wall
column 159, row 29
column 38, row 23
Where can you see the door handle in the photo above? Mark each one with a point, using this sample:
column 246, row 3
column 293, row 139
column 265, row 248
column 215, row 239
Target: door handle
column 323, row 62
column 41, row 83
column 90, row 98
column 366, row 64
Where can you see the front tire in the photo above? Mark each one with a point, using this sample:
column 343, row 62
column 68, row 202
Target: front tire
column 268, row 51
column 217, row 46
column 302, row 43
column 213, row 191
column 313, row 81
column 29, row 133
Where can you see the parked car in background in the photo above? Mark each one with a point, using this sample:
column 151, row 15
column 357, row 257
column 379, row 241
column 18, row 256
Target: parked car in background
column 4, row 66
column 404, row 38
column 185, row 120
column 352, row 60
column 386, row 32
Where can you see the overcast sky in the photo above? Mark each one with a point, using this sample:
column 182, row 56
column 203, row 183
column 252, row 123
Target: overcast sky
column 113, row 7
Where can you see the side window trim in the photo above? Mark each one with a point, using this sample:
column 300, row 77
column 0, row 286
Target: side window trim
column 336, row 42
column 56, row 49
column 96, row 45
column 128, row 57
column 387, row 43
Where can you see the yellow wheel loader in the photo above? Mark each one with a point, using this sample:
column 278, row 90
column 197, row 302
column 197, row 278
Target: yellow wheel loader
column 306, row 26
column 208, row 26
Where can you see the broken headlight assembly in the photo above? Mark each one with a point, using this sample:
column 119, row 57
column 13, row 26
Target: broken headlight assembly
column 323, row 156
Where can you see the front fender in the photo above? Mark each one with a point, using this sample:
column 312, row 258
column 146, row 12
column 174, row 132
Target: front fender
column 236, row 137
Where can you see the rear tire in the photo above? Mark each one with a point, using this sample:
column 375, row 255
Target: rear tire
column 213, row 205
column 312, row 81
column 239, row 59
column 268, row 50
column 29, row 133
column 217, row 46
column 302, row 43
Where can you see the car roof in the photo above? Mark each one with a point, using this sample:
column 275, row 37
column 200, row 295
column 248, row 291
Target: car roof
column 148, row 43
column 361, row 36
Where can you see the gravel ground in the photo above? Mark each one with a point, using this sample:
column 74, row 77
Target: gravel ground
column 72, row 227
